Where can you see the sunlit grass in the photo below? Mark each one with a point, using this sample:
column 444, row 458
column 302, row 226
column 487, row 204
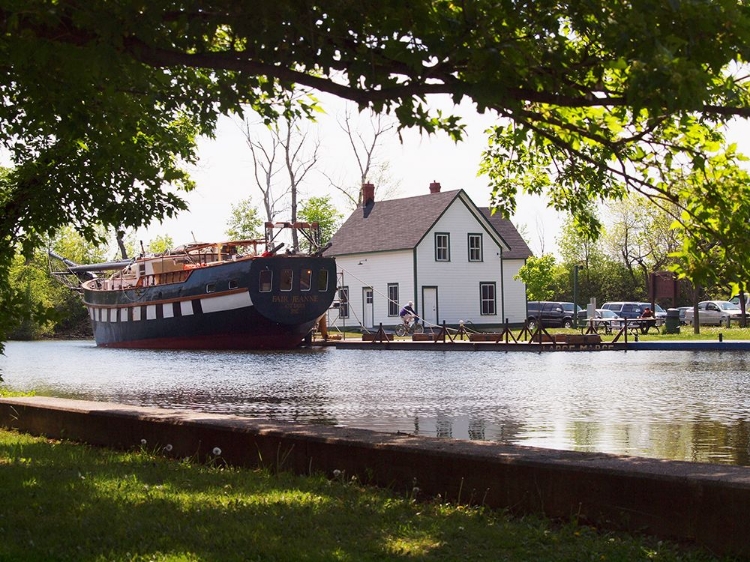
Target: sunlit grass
column 65, row 501
column 686, row 334
column 5, row 393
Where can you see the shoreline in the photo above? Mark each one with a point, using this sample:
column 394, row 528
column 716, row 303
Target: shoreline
column 700, row 503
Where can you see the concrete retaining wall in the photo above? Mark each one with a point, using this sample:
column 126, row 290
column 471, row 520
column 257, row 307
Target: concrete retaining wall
column 702, row 503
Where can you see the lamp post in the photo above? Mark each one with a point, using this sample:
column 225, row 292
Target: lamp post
column 575, row 295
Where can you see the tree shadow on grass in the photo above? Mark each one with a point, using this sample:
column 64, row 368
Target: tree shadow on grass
column 64, row 501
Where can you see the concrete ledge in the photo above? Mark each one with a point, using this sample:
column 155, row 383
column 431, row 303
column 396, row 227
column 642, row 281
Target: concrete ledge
column 702, row 503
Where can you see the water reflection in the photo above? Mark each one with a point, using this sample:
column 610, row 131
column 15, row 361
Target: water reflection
column 677, row 405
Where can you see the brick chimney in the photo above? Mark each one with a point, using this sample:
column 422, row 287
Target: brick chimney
column 435, row 187
column 368, row 194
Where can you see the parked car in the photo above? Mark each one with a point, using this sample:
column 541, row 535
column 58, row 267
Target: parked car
column 552, row 314
column 603, row 317
column 658, row 311
column 714, row 313
column 568, row 307
column 683, row 310
column 736, row 300
column 634, row 309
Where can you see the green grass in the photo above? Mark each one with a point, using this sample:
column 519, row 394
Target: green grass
column 66, row 501
column 686, row 334
column 4, row 392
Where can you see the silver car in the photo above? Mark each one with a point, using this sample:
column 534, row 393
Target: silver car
column 606, row 319
column 714, row 313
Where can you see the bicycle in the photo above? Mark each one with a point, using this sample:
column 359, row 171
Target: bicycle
column 412, row 327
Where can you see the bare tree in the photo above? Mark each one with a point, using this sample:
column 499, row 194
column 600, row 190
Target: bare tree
column 288, row 151
column 540, row 234
column 265, row 167
column 364, row 145
column 640, row 235
column 300, row 156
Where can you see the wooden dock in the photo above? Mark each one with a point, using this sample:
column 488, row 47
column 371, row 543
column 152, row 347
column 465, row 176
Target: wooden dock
column 544, row 344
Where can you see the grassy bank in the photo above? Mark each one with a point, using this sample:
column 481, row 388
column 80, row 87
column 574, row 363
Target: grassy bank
column 65, row 501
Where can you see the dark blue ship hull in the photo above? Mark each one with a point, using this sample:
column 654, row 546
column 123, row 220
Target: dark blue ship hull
column 257, row 303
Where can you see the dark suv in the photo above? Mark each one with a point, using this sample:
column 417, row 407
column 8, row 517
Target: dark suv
column 551, row 314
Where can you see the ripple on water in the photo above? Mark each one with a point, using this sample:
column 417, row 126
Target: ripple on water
column 684, row 405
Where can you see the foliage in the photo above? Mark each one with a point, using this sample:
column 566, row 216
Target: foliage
column 638, row 235
column 102, row 101
column 322, row 211
column 244, row 222
column 51, row 308
column 161, row 244
column 712, row 226
column 537, row 274
column 36, row 289
column 71, row 245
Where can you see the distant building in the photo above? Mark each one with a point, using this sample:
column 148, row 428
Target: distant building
column 454, row 260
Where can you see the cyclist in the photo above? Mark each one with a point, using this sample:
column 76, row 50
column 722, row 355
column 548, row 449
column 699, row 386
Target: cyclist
column 407, row 314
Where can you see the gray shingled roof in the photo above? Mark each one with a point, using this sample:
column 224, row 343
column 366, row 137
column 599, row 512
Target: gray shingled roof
column 518, row 247
column 394, row 224
column 399, row 224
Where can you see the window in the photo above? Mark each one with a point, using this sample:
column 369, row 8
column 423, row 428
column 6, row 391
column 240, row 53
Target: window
column 475, row 247
column 211, row 287
column 344, row 302
column 487, row 298
column 442, row 247
column 631, row 310
column 233, row 284
column 323, row 280
column 266, row 277
column 305, row 277
column 393, row 306
column 286, row 280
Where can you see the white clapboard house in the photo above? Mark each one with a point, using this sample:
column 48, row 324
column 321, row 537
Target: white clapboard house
column 454, row 260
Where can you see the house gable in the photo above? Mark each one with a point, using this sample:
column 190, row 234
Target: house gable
column 482, row 224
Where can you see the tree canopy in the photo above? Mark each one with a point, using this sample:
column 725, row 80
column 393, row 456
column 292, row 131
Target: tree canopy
column 244, row 221
column 102, row 100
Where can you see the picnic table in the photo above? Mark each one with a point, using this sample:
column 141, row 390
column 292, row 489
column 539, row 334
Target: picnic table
column 634, row 325
column 595, row 325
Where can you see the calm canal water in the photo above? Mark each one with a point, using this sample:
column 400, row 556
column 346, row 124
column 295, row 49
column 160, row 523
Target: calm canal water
column 674, row 405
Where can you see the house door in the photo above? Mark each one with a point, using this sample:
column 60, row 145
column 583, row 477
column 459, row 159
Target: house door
column 367, row 313
column 429, row 310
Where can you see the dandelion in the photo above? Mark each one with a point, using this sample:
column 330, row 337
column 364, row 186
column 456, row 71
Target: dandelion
column 336, row 473
column 143, row 442
column 217, row 452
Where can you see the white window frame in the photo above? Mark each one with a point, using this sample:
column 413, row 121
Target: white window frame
column 478, row 249
column 442, row 246
column 487, row 302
